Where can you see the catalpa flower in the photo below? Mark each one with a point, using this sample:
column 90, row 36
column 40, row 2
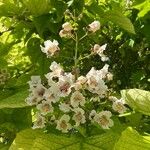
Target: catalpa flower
column 39, row 91
column 95, row 84
column 79, row 116
column 32, row 100
column 57, row 71
column 99, row 50
column 50, row 47
column 52, row 94
column 80, row 83
column 103, row 72
column 103, row 119
column 66, row 31
column 67, row 26
column 94, row 26
column 64, row 84
column 40, row 122
column 118, row 105
column 92, row 115
column 35, row 81
column 63, row 124
column 77, row 99
column 45, row 107
column 64, row 107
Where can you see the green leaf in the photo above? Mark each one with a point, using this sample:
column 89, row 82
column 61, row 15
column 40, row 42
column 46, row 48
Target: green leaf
column 59, row 7
column 119, row 19
column 77, row 6
column 143, row 8
column 36, row 140
column 15, row 101
column 10, row 8
column 38, row 7
column 45, row 24
column 130, row 139
column 4, row 146
column 115, row 16
column 39, row 61
column 137, row 99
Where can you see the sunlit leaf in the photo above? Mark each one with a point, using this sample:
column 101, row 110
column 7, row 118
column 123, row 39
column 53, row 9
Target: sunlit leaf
column 36, row 140
column 137, row 99
column 131, row 139
column 15, row 101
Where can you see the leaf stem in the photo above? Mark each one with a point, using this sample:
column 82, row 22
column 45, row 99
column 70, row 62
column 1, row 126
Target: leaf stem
column 83, row 36
column 76, row 55
column 86, row 57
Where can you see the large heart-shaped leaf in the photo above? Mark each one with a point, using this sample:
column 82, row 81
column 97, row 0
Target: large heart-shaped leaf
column 37, row 140
column 131, row 140
column 15, row 101
column 137, row 99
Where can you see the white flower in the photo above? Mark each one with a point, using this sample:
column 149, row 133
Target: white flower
column 67, row 26
column 103, row 119
column 77, row 99
column 79, row 116
column 118, row 106
column 101, row 49
column 66, row 31
column 52, row 120
column 32, row 100
column 65, row 34
column 64, row 107
column 65, row 83
column 91, row 76
column 40, row 122
column 57, row 71
column 56, row 67
column 52, row 94
column 109, row 76
column 95, row 84
column 94, row 26
column 104, row 58
column 80, row 83
column 103, row 72
column 50, row 47
column 63, row 123
column 39, row 91
column 45, row 107
column 113, row 98
column 92, row 115
column 35, row 80
column 82, row 79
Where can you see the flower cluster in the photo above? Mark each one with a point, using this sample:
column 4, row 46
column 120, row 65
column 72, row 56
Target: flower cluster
column 65, row 98
column 67, row 95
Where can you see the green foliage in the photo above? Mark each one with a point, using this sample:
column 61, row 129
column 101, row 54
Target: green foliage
column 15, row 101
column 36, row 139
column 119, row 19
column 143, row 7
column 130, row 139
column 38, row 7
column 137, row 99
column 115, row 16
column 26, row 24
